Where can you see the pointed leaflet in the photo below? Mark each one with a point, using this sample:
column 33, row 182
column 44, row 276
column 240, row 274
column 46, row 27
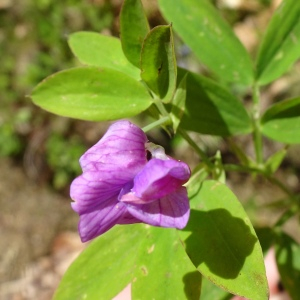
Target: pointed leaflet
column 94, row 49
column 274, row 161
column 93, row 274
column 92, row 94
column 288, row 262
column 212, row 109
column 164, row 271
column 134, row 27
column 280, row 47
column 158, row 62
column 281, row 122
column 210, row 37
column 222, row 243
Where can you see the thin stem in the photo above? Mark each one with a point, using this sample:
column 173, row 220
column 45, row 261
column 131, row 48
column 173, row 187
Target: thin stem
column 257, row 136
column 157, row 123
column 238, row 168
column 201, row 153
column 160, row 107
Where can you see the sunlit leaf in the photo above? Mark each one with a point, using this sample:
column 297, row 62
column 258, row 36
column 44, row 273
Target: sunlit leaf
column 93, row 274
column 94, row 49
column 281, row 122
column 280, row 47
column 158, row 62
column 134, row 27
column 92, row 94
column 222, row 243
column 164, row 271
column 210, row 37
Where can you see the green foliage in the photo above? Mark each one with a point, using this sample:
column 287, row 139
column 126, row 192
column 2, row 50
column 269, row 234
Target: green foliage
column 9, row 141
column 153, row 259
column 288, row 262
column 123, row 78
column 281, row 121
column 92, row 94
column 212, row 109
column 222, row 243
column 134, row 27
column 210, row 37
column 158, row 62
column 280, row 46
column 94, row 49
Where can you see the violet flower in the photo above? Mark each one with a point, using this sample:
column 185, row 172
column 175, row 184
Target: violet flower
column 119, row 185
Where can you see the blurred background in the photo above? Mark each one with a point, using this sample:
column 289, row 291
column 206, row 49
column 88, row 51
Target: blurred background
column 39, row 151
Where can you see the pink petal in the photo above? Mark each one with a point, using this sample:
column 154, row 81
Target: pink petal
column 121, row 149
column 101, row 219
column 160, row 178
column 170, row 211
column 93, row 188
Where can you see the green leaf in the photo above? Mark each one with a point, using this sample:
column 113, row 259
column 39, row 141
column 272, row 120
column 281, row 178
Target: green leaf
column 210, row 37
column 212, row 109
column 134, row 27
column 90, row 93
column 94, row 49
column 281, row 122
column 158, row 62
column 178, row 103
column 164, row 271
column 275, row 160
column 288, row 262
column 222, row 243
column 152, row 259
column 266, row 237
column 93, row 274
column 210, row 291
column 280, row 47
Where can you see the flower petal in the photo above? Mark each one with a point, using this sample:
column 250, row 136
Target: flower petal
column 160, row 178
column 93, row 188
column 102, row 218
column 170, row 211
column 121, row 149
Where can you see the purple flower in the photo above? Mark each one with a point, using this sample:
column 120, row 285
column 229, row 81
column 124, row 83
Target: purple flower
column 119, row 185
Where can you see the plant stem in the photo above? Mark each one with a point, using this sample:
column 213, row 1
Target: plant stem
column 161, row 107
column 257, row 136
column 201, row 153
column 157, row 123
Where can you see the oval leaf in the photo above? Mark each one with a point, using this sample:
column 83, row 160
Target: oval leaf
column 164, row 271
column 212, row 109
column 158, row 63
column 280, row 47
column 94, row 49
column 93, row 274
column 288, row 262
column 134, row 27
column 222, row 243
column 92, row 94
column 281, row 122
column 210, row 38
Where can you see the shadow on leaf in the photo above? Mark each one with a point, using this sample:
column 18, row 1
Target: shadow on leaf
column 224, row 247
